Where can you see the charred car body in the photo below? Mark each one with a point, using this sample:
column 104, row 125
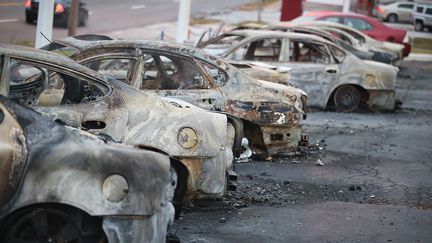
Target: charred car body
column 364, row 41
column 61, row 184
column 271, row 113
column 69, row 93
column 330, row 75
column 343, row 40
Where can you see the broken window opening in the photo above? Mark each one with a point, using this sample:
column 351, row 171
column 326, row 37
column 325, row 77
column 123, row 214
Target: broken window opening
column 308, row 52
column 179, row 73
column 115, row 67
column 217, row 74
column 32, row 84
column 264, row 50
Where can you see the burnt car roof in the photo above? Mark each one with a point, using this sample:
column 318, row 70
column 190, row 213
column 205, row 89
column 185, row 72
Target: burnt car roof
column 83, row 45
column 270, row 33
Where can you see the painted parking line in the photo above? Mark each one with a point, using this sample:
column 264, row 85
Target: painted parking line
column 8, row 20
column 136, row 7
column 11, row 4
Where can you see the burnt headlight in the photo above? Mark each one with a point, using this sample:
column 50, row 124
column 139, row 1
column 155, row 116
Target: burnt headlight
column 187, row 138
column 115, row 188
column 370, row 80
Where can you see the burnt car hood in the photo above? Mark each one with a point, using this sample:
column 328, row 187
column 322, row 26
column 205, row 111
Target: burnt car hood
column 260, row 90
column 66, row 165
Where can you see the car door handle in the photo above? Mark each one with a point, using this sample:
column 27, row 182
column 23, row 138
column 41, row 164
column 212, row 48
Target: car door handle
column 331, row 71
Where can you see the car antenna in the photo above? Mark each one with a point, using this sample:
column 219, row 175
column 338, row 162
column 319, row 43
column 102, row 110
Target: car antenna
column 55, row 44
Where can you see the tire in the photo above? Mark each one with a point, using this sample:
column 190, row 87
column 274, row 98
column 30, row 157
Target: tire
column 346, row 98
column 49, row 224
column 392, row 18
column 418, row 25
column 29, row 20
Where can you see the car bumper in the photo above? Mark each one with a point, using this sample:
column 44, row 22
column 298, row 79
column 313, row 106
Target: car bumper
column 130, row 229
column 207, row 176
column 381, row 100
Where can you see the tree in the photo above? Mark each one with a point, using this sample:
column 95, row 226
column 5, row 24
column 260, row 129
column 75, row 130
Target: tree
column 73, row 18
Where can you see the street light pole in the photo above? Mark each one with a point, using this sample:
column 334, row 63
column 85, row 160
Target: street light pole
column 44, row 23
column 73, row 18
column 183, row 21
column 346, row 6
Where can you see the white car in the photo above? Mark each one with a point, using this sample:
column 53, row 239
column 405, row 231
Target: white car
column 329, row 75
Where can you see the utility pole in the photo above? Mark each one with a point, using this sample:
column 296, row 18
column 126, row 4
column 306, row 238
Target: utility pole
column 73, row 18
column 260, row 7
column 44, row 23
column 346, row 6
column 183, row 21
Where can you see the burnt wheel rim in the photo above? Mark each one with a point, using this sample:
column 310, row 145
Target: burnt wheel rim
column 347, row 99
column 43, row 225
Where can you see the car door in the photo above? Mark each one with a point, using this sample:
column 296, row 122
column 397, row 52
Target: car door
column 64, row 96
column 313, row 69
column 428, row 16
column 404, row 11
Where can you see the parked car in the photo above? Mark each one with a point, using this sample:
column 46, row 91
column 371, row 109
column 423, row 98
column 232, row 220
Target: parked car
column 330, row 75
column 365, row 24
column 61, row 12
column 61, row 184
column 341, row 39
column 67, row 92
column 364, row 41
column 271, row 113
column 422, row 16
column 394, row 12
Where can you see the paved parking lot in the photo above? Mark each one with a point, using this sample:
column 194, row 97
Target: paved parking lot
column 375, row 186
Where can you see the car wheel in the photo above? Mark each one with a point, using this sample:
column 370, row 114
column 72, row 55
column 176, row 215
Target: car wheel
column 29, row 20
column 346, row 98
column 43, row 224
column 392, row 18
column 418, row 26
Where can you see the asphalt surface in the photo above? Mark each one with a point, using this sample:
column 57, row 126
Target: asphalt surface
column 375, row 185
column 106, row 16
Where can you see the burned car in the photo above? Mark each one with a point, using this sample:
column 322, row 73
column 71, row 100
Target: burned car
column 61, row 184
column 366, row 42
column 69, row 93
column 271, row 113
column 331, row 76
column 343, row 40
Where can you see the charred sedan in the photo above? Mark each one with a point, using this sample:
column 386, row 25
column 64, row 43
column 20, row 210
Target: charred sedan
column 271, row 113
column 331, row 76
column 69, row 93
column 60, row 184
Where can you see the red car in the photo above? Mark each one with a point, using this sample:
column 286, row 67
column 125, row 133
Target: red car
column 365, row 24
